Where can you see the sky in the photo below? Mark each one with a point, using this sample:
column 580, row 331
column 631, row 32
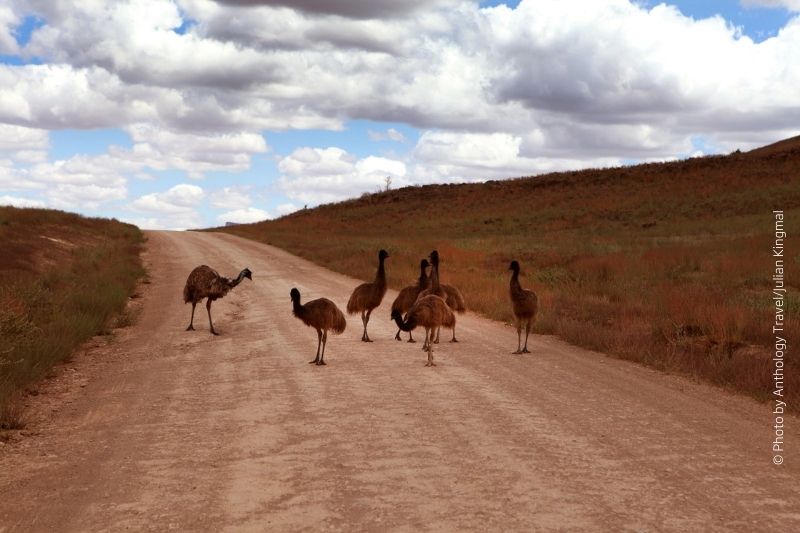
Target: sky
column 175, row 114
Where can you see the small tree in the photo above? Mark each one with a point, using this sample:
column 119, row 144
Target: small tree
column 388, row 183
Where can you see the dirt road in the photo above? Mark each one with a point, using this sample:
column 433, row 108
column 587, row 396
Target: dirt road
column 167, row 429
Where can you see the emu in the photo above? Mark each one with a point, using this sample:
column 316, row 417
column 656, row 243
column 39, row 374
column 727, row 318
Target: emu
column 322, row 315
column 368, row 296
column 406, row 298
column 452, row 296
column 205, row 282
column 525, row 304
column 430, row 312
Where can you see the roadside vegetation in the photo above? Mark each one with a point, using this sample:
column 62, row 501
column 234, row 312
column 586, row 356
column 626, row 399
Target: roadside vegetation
column 666, row 264
column 63, row 279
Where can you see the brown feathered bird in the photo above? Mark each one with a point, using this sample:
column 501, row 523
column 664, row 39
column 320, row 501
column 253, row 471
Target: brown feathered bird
column 525, row 305
column 322, row 315
column 409, row 295
column 430, row 312
column 205, row 282
column 368, row 296
column 452, row 296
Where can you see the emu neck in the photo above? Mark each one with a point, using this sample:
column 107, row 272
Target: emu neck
column 423, row 278
column 238, row 280
column 435, row 276
column 380, row 276
column 515, row 286
column 297, row 309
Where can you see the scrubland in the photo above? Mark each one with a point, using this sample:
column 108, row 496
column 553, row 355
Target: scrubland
column 665, row 264
column 63, row 279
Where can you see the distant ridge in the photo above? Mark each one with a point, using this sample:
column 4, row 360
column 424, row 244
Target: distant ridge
column 792, row 144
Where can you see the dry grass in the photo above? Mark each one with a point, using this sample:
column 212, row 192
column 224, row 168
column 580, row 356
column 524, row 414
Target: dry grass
column 64, row 281
column 665, row 264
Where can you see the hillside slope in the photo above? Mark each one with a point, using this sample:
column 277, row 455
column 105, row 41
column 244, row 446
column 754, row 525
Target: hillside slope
column 62, row 278
column 668, row 264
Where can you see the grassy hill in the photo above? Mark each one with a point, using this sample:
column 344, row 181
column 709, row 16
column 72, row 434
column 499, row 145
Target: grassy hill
column 668, row 264
column 63, row 277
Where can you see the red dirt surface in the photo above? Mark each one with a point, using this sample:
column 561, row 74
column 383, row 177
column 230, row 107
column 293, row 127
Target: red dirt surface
column 168, row 429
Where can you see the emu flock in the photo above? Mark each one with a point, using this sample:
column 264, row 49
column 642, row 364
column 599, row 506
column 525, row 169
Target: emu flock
column 428, row 304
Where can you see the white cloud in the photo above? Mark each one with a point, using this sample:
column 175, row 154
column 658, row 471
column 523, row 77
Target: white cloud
column 178, row 199
column 499, row 91
column 244, row 216
column 89, row 181
column 193, row 153
column 235, row 197
column 175, row 208
column 85, row 196
column 80, row 182
column 145, row 176
column 791, row 5
column 345, row 8
column 389, row 135
column 8, row 21
column 285, row 209
column 26, row 145
column 317, row 175
column 135, row 40
column 15, row 179
column 445, row 156
column 17, row 201
column 60, row 96
column 146, row 222
column 435, row 65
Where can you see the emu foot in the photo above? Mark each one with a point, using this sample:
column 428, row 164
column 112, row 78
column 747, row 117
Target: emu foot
column 525, row 350
column 314, row 362
column 214, row 333
column 453, row 340
column 411, row 340
column 322, row 363
column 190, row 328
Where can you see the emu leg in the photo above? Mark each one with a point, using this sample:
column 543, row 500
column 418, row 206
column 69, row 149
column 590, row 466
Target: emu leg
column 410, row 337
column 366, row 335
column 454, row 335
column 527, row 332
column 519, row 337
column 430, row 348
column 437, row 335
column 397, row 335
column 208, row 308
column 324, row 342
column 363, row 323
column 319, row 341
column 191, row 322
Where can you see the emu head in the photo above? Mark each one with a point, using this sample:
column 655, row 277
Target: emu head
column 424, row 263
column 295, row 294
column 247, row 274
column 434, row 258
column 383, row 254
column 514, row 266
